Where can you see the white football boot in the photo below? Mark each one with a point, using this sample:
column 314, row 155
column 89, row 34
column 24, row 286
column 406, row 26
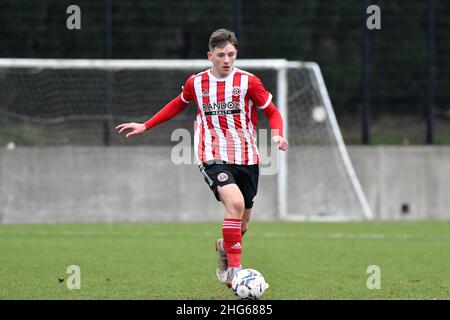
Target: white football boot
column 231, row 272
column 222, row 262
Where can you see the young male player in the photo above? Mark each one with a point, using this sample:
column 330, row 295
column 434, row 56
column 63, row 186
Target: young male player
column 227, row 100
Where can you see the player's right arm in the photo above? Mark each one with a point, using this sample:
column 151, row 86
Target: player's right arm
column 169, row 111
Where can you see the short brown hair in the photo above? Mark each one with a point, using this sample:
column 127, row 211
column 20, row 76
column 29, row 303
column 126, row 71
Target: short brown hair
column 221, row 37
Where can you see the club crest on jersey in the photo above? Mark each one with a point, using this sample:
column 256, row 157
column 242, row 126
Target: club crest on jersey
column 205, row 93
column 222, row 177
column 236, row 91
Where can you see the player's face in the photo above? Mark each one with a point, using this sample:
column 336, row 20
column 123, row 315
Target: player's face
column 222, row 60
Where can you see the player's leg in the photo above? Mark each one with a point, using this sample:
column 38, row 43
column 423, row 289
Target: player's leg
column 245, row 220
column 233, row 200
column 239, row 203
column 248, row 184
column 220, row 179
column 246, row 178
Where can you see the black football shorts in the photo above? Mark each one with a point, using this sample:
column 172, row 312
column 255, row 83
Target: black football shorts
column 220, row 173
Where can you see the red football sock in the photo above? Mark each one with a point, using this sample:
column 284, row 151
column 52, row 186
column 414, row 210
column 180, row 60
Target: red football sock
column 232, row 241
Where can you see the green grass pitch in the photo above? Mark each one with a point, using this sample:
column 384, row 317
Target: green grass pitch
column 177, row 260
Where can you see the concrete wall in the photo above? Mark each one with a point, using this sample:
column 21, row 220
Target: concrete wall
column 416, row 178
column 87, row 184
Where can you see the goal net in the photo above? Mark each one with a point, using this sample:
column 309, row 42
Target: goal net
column 52, row 102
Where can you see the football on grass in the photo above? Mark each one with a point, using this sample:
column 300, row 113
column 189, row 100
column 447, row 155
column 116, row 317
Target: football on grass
column 249, row 284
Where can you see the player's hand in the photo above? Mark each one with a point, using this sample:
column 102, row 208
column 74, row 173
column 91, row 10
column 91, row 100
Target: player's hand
column 282, row 142
column 135, row 128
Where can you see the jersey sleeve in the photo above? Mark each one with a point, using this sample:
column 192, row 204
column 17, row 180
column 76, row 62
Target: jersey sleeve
column 275, row 119
column 187, row 91
column 258, row 93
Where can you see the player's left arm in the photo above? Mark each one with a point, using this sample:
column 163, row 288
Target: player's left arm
column 263, row 99
column 276, row 124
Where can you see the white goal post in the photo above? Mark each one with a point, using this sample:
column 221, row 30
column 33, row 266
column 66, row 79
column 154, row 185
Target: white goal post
column 316, row 178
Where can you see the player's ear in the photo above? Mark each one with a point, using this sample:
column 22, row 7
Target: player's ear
column 210, row 55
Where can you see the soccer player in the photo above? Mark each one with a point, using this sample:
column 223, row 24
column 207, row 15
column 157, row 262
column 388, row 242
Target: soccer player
column 227, row 100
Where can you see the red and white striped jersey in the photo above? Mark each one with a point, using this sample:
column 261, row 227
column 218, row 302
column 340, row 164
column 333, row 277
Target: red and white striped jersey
column 227, row 115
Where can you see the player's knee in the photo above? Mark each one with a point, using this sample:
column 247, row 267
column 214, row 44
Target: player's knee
column 237, row 207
